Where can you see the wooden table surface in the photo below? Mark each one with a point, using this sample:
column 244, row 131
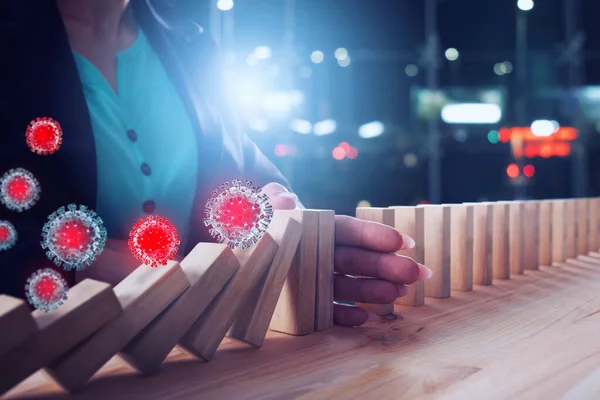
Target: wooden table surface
column 536, row 336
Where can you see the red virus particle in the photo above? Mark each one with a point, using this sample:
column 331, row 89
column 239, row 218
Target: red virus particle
column 74, row 237
column 154, row 240
column 238, row 214
column 8, row 235
column 19, row 190
column 46, row 289
column 44, row 136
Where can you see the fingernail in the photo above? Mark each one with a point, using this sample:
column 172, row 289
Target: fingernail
column 373, row 317
column 289, row 195
column 407, row 242
column 424, row 272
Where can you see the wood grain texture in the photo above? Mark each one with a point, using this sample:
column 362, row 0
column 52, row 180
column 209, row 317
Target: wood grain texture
column 582, row 208
column 594, row 225
column 515, row 237
column 383, row 216
column 89, row 307
column 206, row 333
column 295, row 310
column 208, row 268
column 16, row 323
column 558, row 231
column 143, row 295
column 531, row 231
column 500, row 249
column 325, row 271
column 436, row 219
column 409, row 221
column 461, row 247
column 482, row 243
column 253, row 320
column 524, row 338
column 545, row 233
column 571, row 228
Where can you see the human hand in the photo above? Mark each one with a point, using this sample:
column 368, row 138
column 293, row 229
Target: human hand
column 363, row 248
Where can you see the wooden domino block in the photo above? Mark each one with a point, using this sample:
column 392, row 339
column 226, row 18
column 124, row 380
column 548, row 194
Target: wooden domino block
column 593, row 225
column 90, row 306
column 436, row 219
column 206, row 334
column 384, row 216
column 208, row 267
column 515, row 237
column 143, row 295
column 295, row 311
column 253, row 321
column 545, row 233
column 482, row 243
column 531, row 216
column 325, row 271
column 558, row 231
column 500, row 249
column 16, row 323
column 461, row 247
column 570, row 237
column 409, row 221
column 582, row 207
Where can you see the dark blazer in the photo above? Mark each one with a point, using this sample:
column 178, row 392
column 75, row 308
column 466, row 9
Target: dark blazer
column 39, row 78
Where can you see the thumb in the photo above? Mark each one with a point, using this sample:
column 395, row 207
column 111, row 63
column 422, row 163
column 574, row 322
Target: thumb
column 279, row 197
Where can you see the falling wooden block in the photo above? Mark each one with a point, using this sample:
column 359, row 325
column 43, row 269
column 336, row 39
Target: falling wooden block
column 482, row 243
column 90, row 306
column 515, row 237
column 295, row 311
column 570, row 228
column 253, row 320
column 16, row 323
column 558, row 231
column 436, row 219
column 500, row 250
column 531, row 231
column 545, row 233
column 593, row 221
column 206, row 334
column 325, row 271
column 384, row 216
column 582, row 208
column 461, row 247
column 208, row 268
column 409, row 221
column 143, row 295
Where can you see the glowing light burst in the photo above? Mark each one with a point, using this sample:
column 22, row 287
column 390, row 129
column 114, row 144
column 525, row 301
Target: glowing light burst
column 19, row 190
column 74, row 237
column 44, row 136
column 154, row 240
column 237, row 214
column 8, row 235
column 46, row 290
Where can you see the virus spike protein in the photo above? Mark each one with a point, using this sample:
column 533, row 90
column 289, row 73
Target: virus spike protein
column 8, row 235
column 46, row 290
column 74, row 237
column 43, row 136
column 154, row 240
column 238, row 214
column 19, row 190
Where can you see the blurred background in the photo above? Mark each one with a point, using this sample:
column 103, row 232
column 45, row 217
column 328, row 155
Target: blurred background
column 400, row 102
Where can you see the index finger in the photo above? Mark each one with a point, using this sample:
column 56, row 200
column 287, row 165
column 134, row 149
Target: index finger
column 370, row 235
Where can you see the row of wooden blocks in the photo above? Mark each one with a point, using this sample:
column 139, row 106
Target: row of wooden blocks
column 474, row 243
column 283, row 283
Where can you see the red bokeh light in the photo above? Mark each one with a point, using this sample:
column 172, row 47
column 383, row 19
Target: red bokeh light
column 528, row 170
column 512, row 171
column 339, row 153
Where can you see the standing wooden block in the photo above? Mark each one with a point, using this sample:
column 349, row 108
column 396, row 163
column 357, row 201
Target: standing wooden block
column 582, row 226
column 208, row 268
column 384, row 216
column 409, row 221
column 593, row 221
column 143, row 295
column 482, row 243
column 437, row 249
column 545, row 233
column 500, row 249
column 16, row 323
column 207, row 333
column 570, row 228
column 325, row 271
column 515, row 237
column 295, row 311
column 461, row 247
column 531, row 230
column 558, row 231
column 253, row 320
column 90, row 306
